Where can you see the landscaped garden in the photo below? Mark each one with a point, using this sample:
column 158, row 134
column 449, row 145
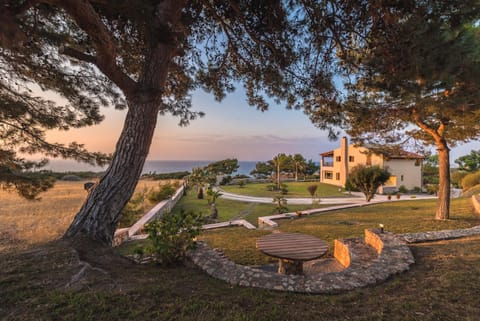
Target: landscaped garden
column 295, row 189
column 438, row 287
column 229, row 209
column 238, row 243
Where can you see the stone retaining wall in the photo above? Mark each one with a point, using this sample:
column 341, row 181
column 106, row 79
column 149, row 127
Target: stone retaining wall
column 394, row 258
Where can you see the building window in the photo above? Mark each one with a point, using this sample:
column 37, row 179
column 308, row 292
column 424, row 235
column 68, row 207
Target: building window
column 337, row 176
column 369, row 160
column 351, row 159
column 401, row 178
column 418, row 162
column 328, row 175
column 338, row 158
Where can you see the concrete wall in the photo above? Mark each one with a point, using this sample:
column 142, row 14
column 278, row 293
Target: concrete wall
column 405, row 172
column 121, row 235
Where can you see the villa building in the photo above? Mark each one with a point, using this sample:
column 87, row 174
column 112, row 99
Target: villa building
column 405, row 168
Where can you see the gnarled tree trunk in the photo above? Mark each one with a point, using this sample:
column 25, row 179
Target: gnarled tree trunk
column 99, row 215
column 443, row 203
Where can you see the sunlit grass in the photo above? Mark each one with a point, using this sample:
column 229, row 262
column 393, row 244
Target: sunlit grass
column 295, row 189
column 46, row 219
column 229, row 209
column 398, row 217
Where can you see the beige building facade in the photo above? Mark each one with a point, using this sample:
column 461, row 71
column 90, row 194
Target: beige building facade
column 405, row 169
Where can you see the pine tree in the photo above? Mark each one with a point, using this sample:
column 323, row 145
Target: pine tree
column 148, row 56
column 417, row 74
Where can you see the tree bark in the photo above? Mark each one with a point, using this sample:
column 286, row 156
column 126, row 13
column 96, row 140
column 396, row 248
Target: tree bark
column 443, row 203
column 99, row 215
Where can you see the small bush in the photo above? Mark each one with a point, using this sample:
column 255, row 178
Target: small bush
column 470, row 180
column 417, row 189
column 173, row 235
column 402, row 189
column 283, row 189
column 165, row 192
column 241, row 183
column 432, row 188
column 271, row 187
column 312, row 189
column 280, row 203
column 225, row 180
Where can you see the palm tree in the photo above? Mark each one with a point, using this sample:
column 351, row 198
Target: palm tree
column 300, row 164
column 197, row 178
column 278, row 162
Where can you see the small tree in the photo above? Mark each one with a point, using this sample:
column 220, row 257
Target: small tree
column 212, row 195
column 280, row 203
column 312, row 189
column 368, row 179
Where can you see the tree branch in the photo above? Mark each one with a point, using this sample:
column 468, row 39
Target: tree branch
column 78, row 55
column 83, row 13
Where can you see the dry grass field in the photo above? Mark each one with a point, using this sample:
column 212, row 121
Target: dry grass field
column 25, row 222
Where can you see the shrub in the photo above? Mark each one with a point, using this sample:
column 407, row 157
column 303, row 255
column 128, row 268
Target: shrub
column 312, row 189
column 456, row 177
column 402, row 189
column 225, row 180
column 470, row 180
column 280, row 203
column 368, row 179
column 432, row 188
column 283, row 189
column 173, row 235
column 241, row 183
column 165, row 192
column 200, row 193
column 271, row 187
column 417, row 189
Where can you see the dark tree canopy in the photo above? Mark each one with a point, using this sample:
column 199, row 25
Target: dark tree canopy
column 222, row 167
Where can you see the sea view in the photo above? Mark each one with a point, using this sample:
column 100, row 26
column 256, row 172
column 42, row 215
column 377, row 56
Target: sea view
column 159, row 166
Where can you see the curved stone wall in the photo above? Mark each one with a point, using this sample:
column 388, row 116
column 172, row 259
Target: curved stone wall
column 394, row 257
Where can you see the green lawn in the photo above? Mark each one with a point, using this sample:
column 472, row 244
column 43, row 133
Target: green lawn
column 441, row 285
column 398, row 217
column 228, row 209
column 295, row 189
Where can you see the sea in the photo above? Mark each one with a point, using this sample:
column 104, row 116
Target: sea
column 151, row 166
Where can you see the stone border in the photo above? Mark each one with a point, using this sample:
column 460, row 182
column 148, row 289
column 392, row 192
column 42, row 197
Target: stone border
column 439, row 235
column 394, row 257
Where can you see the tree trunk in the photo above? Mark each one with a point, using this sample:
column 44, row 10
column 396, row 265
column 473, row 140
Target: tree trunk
column 98, row 217
column 278, row 175
column 443, row 203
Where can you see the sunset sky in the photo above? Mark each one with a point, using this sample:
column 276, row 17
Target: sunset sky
column 229, row 129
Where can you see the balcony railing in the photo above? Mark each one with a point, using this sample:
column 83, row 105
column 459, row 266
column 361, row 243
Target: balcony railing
column 327, row 164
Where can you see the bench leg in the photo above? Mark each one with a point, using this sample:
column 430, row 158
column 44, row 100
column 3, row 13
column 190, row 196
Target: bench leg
column 290, row 267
